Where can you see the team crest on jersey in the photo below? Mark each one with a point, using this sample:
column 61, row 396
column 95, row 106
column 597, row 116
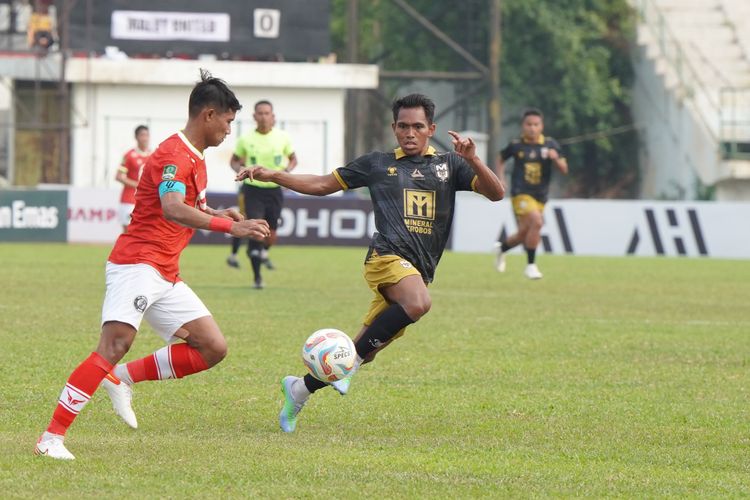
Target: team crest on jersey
column 441, row 171
column 391, row 171
column 169, row 173
column 140, row 303
column 545, row 153
column 520, row 155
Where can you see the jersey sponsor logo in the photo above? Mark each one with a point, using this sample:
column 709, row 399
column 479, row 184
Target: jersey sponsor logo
column 391, row 171
column 419, row 211
column 441, row 171
column 140, row 303
column 532, row 172
column 169, row 172
column 417, row 174
column 419, row 204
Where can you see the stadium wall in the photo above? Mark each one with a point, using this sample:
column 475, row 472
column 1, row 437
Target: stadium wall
column 110, row 98
column 574, row 227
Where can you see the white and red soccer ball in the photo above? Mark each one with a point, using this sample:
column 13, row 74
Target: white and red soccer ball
column 329, row 355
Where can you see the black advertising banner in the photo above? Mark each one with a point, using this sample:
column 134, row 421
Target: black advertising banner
column 308, row 220
column 290, row 30
column 33, row 215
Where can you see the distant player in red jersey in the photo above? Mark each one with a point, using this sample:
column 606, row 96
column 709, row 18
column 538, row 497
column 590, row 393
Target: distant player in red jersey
column 142, row 274
column 129, row 172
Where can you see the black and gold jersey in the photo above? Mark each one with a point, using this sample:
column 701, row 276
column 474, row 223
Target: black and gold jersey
column 413, row 198
column 532, row 167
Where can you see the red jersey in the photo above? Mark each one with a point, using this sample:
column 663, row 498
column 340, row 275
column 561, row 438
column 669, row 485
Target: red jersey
column 151, row 239
column 131, row 166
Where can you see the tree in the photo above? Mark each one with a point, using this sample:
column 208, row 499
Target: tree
column 570, row 58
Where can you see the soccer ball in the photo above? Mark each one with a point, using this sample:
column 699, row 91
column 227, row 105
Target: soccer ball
column 329, row 355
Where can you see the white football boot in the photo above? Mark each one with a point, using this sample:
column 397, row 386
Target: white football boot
column 500, row 259
column 532, row 272
column 121, row 394
column 51, row 445
column 342, row 386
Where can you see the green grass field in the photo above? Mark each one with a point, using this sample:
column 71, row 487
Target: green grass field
column 610, row 377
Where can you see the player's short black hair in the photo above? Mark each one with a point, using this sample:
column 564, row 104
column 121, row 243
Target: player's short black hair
column 414, row 101
column 532, row 112
column 212, row 91
column 140, row 128
column 261, row 103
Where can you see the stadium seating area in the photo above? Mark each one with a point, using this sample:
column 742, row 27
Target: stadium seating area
column 701, row 50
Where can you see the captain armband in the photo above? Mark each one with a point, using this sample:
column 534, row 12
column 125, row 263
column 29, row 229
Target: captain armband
column 171, row 187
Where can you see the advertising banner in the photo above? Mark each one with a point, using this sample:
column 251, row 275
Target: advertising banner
column 33, row 215
column 309, row 220
column 614, row 228
column 92, row 215
column 296, row 30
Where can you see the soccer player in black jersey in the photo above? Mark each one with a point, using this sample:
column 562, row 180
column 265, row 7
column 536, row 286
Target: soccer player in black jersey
column 533, row 157
column 413, row 194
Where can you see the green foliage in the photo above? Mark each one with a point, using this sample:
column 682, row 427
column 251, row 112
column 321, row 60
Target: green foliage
column 623, row 377
column 569, row 58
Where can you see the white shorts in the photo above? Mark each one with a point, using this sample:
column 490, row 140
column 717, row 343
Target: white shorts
column 137, row 291
column 124, row 213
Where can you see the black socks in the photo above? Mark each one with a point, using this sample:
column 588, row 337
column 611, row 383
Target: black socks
column 383, row 329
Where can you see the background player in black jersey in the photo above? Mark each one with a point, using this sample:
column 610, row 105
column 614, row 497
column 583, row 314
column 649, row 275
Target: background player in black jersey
column 533, row 156
column 413, row 193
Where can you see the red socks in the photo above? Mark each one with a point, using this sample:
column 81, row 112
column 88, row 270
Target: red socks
column 81, row 385
column 172, row 361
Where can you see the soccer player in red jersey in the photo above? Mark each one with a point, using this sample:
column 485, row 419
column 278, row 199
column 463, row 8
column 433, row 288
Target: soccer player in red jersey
column 129, row 172
column 142, row 274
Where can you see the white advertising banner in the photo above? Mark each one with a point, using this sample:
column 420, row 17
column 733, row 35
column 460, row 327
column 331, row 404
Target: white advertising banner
column 612, row 227
column 160, row 26
column 92, row 215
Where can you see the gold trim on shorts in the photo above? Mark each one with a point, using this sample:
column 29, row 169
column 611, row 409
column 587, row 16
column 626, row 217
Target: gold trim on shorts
column 524, row 204
column 384, row 270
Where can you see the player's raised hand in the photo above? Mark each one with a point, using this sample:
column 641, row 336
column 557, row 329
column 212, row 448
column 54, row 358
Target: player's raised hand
column 256, row 229
column 464, row 147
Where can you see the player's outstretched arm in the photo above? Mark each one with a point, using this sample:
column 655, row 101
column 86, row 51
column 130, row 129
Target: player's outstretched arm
column 317, row 185
column 488, row 184
column 175, row 210
column 123, row 178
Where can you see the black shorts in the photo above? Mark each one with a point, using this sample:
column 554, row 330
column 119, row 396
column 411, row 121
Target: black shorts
column 262, row 203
